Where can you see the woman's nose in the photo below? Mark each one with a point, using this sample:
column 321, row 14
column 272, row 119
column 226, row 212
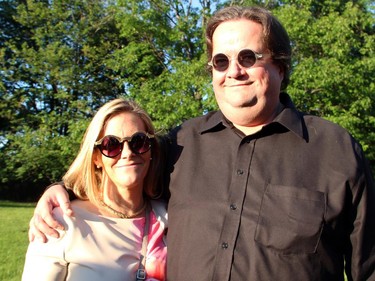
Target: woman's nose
column 126, row 151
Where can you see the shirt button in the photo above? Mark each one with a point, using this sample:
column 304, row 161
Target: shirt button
column 233, row 207
column 239, row 172
column 224, row 245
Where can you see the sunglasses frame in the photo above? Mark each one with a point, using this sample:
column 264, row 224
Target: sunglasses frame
column 121, row 141
column 257, row 56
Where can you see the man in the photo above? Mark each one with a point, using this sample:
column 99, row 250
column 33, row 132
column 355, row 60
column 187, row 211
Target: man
column 259, row 190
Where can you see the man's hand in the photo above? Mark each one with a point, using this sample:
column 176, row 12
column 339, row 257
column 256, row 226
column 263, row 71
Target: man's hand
column 43, row 223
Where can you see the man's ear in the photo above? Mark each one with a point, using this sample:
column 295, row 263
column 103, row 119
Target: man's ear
column 281, row 73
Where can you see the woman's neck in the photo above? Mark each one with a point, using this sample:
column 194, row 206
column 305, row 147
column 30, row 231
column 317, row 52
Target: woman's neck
column 125, row 203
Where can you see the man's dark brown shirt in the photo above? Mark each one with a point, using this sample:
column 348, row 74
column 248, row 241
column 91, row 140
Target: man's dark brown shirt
column 291, row 202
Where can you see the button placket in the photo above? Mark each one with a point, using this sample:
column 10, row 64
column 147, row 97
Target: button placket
column 238, row 186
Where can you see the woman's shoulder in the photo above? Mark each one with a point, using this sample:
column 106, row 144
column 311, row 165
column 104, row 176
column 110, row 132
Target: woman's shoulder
column 82, row 211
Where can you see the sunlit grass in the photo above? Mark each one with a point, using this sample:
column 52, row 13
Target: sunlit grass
column 14, row 220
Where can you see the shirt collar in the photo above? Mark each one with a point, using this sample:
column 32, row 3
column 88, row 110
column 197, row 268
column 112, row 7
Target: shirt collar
column 289, row 118
column 215, row 121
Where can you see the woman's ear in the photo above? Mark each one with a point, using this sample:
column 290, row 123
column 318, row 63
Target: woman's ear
column 97, row 160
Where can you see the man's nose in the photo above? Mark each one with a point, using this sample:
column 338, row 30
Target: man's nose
column 235, row 69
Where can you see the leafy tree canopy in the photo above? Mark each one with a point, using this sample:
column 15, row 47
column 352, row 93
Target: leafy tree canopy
column 61, row 60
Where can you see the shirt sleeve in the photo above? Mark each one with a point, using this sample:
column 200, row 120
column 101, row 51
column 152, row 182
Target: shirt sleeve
column 360, row 258
column 45, row 261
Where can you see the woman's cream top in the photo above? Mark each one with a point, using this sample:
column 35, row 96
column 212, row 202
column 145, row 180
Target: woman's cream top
column 95, row 247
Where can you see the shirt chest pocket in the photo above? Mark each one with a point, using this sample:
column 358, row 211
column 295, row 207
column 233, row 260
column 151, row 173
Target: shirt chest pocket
column 291, row 219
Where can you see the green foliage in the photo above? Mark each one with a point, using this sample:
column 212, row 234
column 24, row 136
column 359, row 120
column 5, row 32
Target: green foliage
column 334, row 63
column 64, row 59
column 61, row 60
column 166, row 59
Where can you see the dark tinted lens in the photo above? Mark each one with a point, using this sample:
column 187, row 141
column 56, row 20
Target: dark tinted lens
column 246, row 58
column 140, row 143
column 110, row 147
column 220, row 62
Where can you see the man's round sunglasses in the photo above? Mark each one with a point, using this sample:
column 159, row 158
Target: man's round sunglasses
column 112, row 146
column 246, row 58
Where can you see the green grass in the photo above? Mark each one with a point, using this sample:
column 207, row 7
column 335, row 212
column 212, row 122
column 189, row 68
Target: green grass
column 14, row 221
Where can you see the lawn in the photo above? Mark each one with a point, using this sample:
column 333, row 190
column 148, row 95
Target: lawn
column 14, row 219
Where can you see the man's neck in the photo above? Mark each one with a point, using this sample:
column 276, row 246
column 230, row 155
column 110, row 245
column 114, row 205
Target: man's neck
column 251, row 130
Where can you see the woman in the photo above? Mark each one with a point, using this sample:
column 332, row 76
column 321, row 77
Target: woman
column 117, row 232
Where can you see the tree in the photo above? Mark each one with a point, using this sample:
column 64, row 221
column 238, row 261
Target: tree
column 54, row 77
column 171, row 33
column 64, row 59
column 334, row 63
column 61, row 60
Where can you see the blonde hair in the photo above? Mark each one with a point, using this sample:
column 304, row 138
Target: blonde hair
column 84, row 178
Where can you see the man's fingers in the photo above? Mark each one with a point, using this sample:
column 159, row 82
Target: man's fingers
column 31, row 235
column 47, row 225
column 62, row 200
column 66, row 208
column 31, row 232
column 43, row 223
column 34, row 233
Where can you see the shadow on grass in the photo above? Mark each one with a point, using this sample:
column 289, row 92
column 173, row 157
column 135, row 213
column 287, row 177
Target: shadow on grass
column 11, row 204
